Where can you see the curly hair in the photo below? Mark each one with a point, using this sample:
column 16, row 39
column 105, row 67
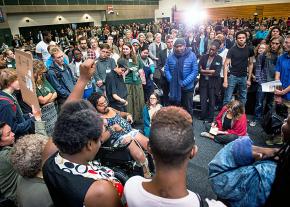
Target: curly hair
column 78, row 122
column 26, row 155
column 94, row 98
column 171, row 136
column 38, row 70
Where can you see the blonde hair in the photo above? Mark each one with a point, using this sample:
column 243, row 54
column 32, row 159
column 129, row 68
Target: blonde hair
column 54, row 50
column 7, row 77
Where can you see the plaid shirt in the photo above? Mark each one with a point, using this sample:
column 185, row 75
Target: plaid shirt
column 92, row 54
column 265, row 68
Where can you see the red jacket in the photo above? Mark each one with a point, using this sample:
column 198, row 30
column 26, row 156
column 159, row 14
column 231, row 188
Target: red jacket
column 239, row 126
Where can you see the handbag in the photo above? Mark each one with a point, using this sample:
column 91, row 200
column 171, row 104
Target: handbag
column 157, row 90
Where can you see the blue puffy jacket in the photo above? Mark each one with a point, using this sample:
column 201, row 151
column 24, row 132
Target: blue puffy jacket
column 190, row 70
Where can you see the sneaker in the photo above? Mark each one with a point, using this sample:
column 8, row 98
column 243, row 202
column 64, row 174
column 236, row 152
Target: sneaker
column 253, row 123
column 206, row 135
column 276, row 140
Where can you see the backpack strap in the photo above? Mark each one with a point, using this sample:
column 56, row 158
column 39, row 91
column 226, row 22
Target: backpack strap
column 13, row 105
column 200, row 200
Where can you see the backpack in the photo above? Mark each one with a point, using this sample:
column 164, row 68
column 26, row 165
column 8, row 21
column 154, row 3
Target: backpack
column 13, row 105
column 273, row 120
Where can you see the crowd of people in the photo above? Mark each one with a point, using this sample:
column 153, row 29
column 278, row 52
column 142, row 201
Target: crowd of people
column 135, row 85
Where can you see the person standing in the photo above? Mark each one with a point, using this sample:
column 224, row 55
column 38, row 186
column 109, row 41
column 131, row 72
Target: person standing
column 263, row 32
column 265, row 72
column 41, row 47
column 104, row 66
column 94, row 51
column 155, row 48
column 210, row 66
column 181, row 70
column 116, row 90
column 283, row 74
column 83, row 46
column 162, row 82
column 238, row 63
column 60, row 76
column 133, row 83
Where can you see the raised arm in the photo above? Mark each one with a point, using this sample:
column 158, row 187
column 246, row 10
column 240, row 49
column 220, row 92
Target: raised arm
column 87, row 70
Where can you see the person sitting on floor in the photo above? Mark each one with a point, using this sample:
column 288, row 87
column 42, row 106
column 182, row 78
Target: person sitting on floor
column 149, row 110
column 231, row 122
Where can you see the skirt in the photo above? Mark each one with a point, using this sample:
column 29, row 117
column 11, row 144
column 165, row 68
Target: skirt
column 135, row 100
column 49, row 115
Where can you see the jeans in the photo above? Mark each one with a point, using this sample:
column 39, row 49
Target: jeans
column 260, row 97
column 241, row 84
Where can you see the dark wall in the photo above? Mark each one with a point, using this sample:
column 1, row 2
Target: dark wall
column 81, row 2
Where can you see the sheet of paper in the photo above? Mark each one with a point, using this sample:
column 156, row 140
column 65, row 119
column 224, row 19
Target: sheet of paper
column 270, row 86
column 213, row 130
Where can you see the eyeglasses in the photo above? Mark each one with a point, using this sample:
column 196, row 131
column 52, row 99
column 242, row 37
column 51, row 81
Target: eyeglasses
column 153, row 98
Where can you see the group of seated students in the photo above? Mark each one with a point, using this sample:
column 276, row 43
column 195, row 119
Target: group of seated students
column 39, row 171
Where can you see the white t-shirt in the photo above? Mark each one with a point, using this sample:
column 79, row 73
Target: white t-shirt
column 41, row 47
column 137, row 196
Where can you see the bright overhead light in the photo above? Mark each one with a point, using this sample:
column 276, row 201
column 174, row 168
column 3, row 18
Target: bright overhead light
column 194, row 16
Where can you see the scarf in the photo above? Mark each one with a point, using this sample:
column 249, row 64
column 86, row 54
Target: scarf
column 177, row 76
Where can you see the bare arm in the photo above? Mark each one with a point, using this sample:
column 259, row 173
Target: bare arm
column 45, row 99
column 118, row 98
column 87, row 70
column 102, row 193
column 54, row 96
column 277, row 75
column 226, row 68
column 250, row 70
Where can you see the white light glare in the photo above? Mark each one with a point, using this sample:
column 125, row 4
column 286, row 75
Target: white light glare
column 194, row 16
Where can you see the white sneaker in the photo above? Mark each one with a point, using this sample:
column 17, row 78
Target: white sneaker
column 253, row 123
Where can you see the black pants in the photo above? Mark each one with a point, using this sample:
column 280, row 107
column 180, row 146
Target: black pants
column 222, row 138
column 186, row 101
column 118, row 107
column 163, row 84
column 207, row 101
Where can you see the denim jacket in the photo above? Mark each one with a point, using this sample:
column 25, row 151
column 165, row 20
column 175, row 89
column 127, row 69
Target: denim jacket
column 236, row 178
